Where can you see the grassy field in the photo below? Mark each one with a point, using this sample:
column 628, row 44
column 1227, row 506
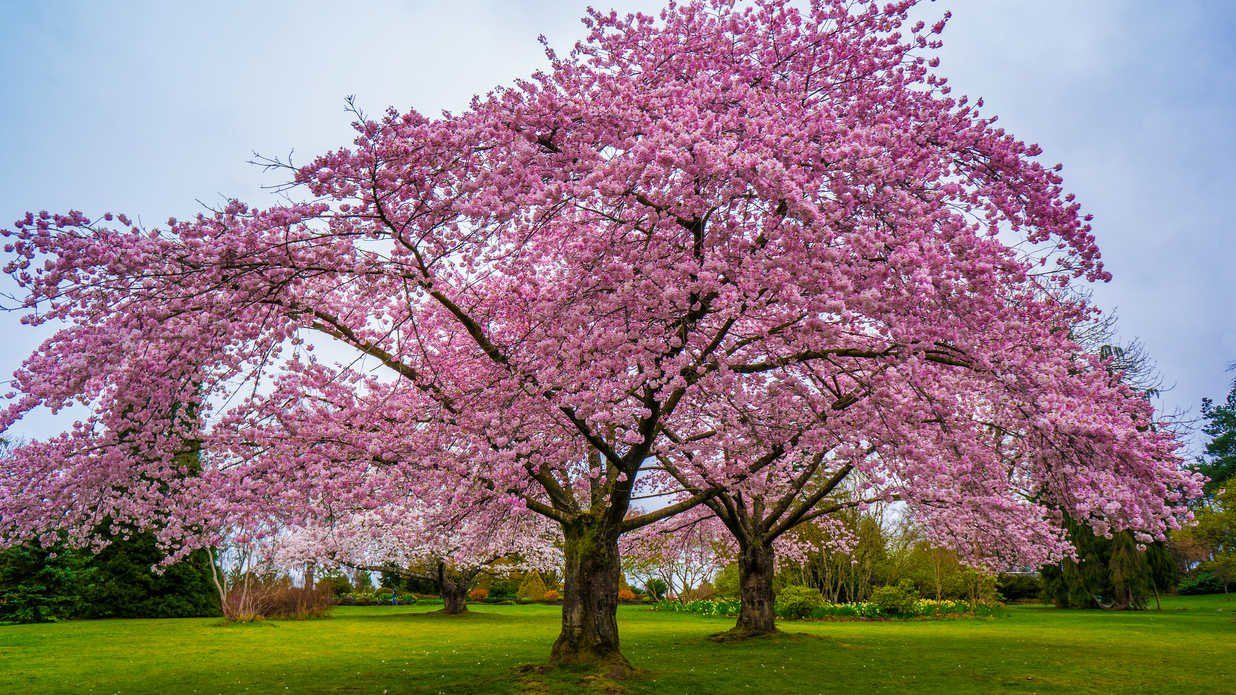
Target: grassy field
column 1188, row 647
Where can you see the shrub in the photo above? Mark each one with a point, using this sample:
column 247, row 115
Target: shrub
column 336, row 582
column 798, row 602
column 251, row 597
column 553, row 595
column 926, row 608
column 480, row 593
column 726, row 609
column 502, row 588
column 625, row 594
column 1200, row 582
column 357, row 598
column 298, row 603
column 532, row 588
column 895, row 600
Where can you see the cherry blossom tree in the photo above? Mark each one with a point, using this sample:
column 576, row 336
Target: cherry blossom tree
column 449, row 547
column 729, row 207
column 684, row 552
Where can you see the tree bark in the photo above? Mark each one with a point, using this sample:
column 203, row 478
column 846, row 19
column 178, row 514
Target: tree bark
column 454, row 600
column 454, row 592
column 589, row 633
column 755, row 577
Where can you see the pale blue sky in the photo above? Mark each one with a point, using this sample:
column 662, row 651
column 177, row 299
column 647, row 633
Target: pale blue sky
column 147, row 107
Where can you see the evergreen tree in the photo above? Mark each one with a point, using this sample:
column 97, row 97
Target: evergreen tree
column 37, row 585
column 1219, row 462
column 1108, row 572
column 532, row 588
column 123, row 583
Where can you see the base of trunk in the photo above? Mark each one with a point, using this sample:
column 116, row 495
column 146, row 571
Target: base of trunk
column 739, row 634
column 454, row 603
column 589, row 635
column 611, row 664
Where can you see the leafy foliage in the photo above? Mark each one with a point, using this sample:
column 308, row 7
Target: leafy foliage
column 39, row 584
column 895, row 600
column 1019, row 586
column 798, row 601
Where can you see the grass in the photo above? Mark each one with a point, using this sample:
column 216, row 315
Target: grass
column 1188, row 647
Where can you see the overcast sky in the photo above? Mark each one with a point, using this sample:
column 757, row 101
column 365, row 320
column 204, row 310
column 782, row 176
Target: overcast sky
column 146, row 108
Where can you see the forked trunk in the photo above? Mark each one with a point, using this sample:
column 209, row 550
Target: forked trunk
column 755, row 577
column 590, row 598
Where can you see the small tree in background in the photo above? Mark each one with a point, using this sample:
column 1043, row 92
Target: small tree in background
column 532, row 588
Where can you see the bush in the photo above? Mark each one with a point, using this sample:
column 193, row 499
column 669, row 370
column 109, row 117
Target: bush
column 252, row 597
column 895, row 600
column 1200, row 582
column 625, row 594
column 726, row 609
column 355, row 598
column 553, row 595
column 1019, row 587
column 480, row 593
column 922, row 608
column 298, row 603
column 504, row 588
column 336, row 582
column 798, row 602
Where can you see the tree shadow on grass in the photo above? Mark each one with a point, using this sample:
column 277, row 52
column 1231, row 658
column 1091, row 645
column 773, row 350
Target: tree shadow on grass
column 246, row 625
column 470, row 616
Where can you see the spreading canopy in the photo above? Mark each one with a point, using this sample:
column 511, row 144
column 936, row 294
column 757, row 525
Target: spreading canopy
column 733, row 230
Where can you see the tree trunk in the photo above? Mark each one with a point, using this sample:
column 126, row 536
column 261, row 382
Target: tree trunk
column 454, row 592
column 590, row 598
column 755, row 577
column 454, row 600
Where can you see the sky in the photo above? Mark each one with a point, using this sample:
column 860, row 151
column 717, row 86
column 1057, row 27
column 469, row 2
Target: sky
column 149, row 108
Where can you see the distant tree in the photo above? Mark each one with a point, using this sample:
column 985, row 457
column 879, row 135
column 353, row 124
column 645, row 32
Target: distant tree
column 1219, row 461
column 1212, row 543
column 657, row 589
column 1112, row 573
column 532, row 588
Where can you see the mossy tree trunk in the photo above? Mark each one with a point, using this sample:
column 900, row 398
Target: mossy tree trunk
column 590, row 596
column 755, row 581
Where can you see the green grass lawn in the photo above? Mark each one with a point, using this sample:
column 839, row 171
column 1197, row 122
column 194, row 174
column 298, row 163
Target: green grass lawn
column 1188, row 647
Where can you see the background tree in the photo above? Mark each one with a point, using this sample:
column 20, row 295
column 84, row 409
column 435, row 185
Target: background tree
column 1219, row 423
column 1208, row 549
